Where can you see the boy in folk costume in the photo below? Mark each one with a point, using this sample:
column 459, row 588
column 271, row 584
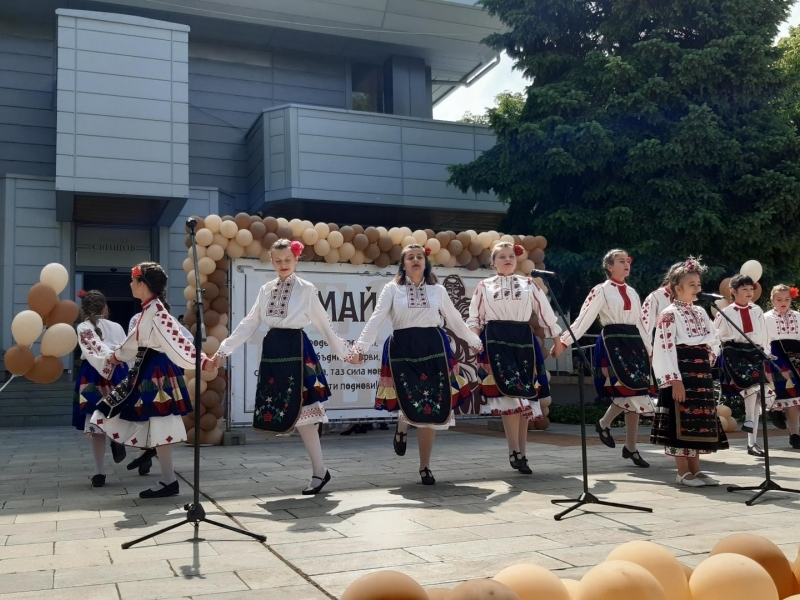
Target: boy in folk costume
column 783, row 330
column 685, row 347
column 740, row 363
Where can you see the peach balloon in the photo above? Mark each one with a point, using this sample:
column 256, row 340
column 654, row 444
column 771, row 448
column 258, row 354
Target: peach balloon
column 659, row 562
column 395, row 235
column 213, row 223
column 346, row 251
column 618, row 580
column 434, row 245
column 358, row 257
column 297, row 227
column 420, row 236
column 483, row 589
column 26, row 327
column 254, row 249
column 322, row 247
column 221, row 240
column 335, row 239
column 532, row 582
column 572, row 586
column 442, row 257
column 204, row 237
column 235, row 250
column 207, row 265
column 310, row 237
column 229, row 229
column 244, row 238
column 322, row 230
column 438, row 593
column 765, row 553
column 408, row 240
column 333, row 254
column 731, row 577
column 384, row 585
column 59, row 340
column 215, row 253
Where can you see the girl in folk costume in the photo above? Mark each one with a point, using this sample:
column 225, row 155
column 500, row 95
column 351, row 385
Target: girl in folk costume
column 511, row 367
column 740, row 363
column 685, row 347
column 621, row 354
column 420, row 378
column 656, row 302
column 145, row 409
column 783, row 330
column 97, row 337
column 291, row 383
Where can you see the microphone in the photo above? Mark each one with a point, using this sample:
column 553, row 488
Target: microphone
column 540, row 273
column 709, row 297
column 191, row 222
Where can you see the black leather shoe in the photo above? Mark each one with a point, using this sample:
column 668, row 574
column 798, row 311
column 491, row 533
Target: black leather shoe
column 778, row 418
column 118, row 452
column 754, row 450
column 312, row 491
column 98, row 480
column 605, row 435
column 794, row 441
column 513, row 460
column 399, row 445
column 146, row 465
column 165, row 492
column 748, row 428
column 523, row 466
column 635, row 457
column 426, row 476
column 350, row 430
column 141, row 459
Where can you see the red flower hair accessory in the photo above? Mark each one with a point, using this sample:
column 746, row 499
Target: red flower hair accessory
column 794, row 293
column 136, row 271
column 427, row 251
column 519, row 250
column 81, row 293
column 297, row 248
column 630, row 259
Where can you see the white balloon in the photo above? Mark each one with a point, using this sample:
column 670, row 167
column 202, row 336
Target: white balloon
column 59, row 340
column 55, row 275
column 26, row 327
column 753, row 269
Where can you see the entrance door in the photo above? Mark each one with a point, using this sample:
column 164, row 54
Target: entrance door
column 117, row 289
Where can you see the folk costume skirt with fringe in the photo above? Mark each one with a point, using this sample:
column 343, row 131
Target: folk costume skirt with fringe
column 622, row 369
column 692, row 427
column 90, row 388
column 421, row 378
column 151, row 414
column 511, row 370
column 787, row 380
column 291, row 383
column 739, row 368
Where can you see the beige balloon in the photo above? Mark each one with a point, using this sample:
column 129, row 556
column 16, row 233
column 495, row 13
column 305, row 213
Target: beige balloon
column 322, row 230
column 244, row 238
column 215, row 252
column 395, row 235
column 229, row 229
column 357, row 258
column 507, row 238
column 210, row 346
column 201, row 252
column 420, row 236
column 310, row 236
column 296, row 225
column 219, row 331
column 473, row 236
column 442, row 257
column 56, row 276
column 434, row 245
column 206, row 265
column 408, row 240
column 235, row 250
column 188, row 264
column 221, row 241
column 346, row 251
column 209, row 375
column 264, row 256
column 189, row 293
column 282, row 222
column 405, row 231
column 335, row 239
column 213, row 223
column 485, row 239
column 26, row 327
column 322, row 247
column 59, row 340
column 204, row 237
column 254, row 249
column 333, row 255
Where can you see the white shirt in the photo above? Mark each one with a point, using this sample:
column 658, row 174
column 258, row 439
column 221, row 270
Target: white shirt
column 159, row 330
column 135, row 319
column 98, row 349
column 615, row 304
column 757, row 332
column 782, row 327
column 653, row 306
column 289, row 304
column 409, row 305
column 680, row 323
column 511, row 298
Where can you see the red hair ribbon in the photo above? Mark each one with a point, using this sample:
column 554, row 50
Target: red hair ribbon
column 136, row 271
column 297, row 248
column 794, row 292
column 81, row 293
column 427, row 251
column 519, row 250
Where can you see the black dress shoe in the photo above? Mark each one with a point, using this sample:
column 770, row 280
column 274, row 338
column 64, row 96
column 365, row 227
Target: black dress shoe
column 98, row 480
column 748, row 428
column 145, row 467
column 635, row 457
column 118, row 452
column 426, row 476
column 794, row 441
column 513, row 460
column 523, row 466
column 754, row 450
column 778, row 418
column 147, row 455
column 605, row 435
column 349, row 430
column 399, row 445
column 165, row 492
column 312, row 491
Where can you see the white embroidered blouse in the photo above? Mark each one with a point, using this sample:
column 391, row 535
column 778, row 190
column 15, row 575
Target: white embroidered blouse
column 653, row 306
column 782, row 326
column 681, row 324
column 616, row 304
column 749, row 319
column 409, row 305
column 159, row 330
column 97, row 349
column 135, row 319
column 511, row 298
column 289, row 304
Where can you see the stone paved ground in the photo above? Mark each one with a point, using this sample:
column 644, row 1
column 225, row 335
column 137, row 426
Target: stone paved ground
column 60, row 539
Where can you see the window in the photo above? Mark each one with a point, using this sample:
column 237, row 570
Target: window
column 367, row 87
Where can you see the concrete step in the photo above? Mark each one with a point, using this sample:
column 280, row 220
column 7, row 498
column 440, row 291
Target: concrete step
column 27, row 404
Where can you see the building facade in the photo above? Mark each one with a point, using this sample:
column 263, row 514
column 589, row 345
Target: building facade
column 119, row 119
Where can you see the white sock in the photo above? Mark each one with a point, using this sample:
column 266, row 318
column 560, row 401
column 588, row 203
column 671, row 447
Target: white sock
column 165, row 460
column 314, row 449
column 612, row 413
column 99, row 454
column 631, row 430
column 751, row 414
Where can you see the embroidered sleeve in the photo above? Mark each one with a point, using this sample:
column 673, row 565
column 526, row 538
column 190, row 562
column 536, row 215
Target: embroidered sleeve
column 720, row 326
column 95, row 350
column 665, row 356
column 134, row 320
column 456, row 322
column 373, row 327
column 763, row 336
column 127, row 350
column 649, row 315
column 477, row 307
column 247, row 327
column 319, row 318
column 644, row 331
column 174, row 344
column 715, row 344
column 547, row 318
column 589, row 311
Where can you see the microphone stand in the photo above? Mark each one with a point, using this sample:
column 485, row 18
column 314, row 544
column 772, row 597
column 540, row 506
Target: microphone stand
column 195, row 513
column 586, row 496
column 768, row 485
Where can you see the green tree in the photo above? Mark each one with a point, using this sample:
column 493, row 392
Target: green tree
column 790, row 64
column 508, row 105
column 655, row 126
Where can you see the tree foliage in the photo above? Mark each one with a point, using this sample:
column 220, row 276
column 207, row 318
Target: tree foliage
column 660, row 127
column 507, row 105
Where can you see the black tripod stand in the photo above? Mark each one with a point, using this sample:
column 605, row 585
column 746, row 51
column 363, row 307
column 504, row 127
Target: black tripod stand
column 195, row 514
column 586, row 496
column 767, row 485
